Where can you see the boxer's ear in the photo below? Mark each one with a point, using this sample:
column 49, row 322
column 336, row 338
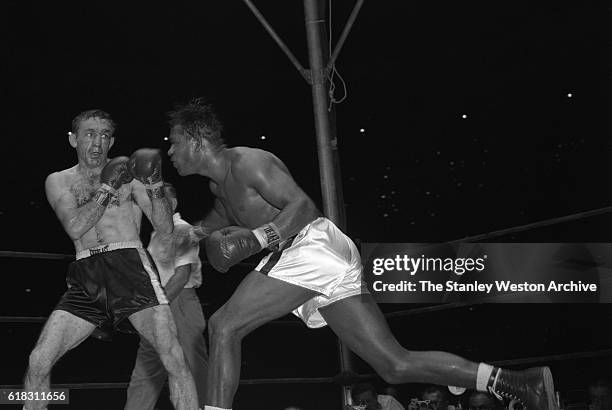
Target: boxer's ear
column 72, row 139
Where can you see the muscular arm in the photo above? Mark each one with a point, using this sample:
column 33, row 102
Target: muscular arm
column 216, row 219
column 158, row 210
column 184, row 254
column 76, row 220
column 272, row 180
column 177, row 282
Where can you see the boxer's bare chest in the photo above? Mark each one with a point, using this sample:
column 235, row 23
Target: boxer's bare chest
column 243, row 205
column 83, row 188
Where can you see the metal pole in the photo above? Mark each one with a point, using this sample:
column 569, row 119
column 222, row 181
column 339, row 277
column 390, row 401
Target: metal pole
column 314, row 27
column 345, row 33
column 319, row 101
column 278, row 40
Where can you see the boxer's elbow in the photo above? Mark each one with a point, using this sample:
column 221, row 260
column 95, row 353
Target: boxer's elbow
column 307, row 209
column 162, row 222
column 76, row 228
column 73, row 233
column 165, row 228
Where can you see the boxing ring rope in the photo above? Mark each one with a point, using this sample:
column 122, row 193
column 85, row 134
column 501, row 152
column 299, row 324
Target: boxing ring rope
column 535, row 225
column 391, row 315
column 448, row 306
column 124, row 385
column 344, row 378
column 474, row 238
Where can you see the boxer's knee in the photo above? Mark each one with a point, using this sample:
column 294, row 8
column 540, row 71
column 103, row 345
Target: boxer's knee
column 399, row 369
column 164, row 339
column 223, row 329
column 212, row 324
column 40, row 362
column 392, row 374
column 171, row 355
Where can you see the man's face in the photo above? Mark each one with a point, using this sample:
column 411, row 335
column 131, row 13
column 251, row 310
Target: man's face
column 92, row 141
column 368, row 399
column 436, row 400
column 181, row 151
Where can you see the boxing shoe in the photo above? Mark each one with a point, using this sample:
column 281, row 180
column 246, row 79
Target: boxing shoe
column 533, row 388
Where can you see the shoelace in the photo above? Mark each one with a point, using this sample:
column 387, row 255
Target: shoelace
column 501, row 394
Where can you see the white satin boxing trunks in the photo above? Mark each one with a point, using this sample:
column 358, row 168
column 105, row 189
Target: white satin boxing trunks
column 320, row 258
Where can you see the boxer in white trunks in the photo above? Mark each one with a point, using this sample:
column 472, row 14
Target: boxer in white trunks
column 313, row 270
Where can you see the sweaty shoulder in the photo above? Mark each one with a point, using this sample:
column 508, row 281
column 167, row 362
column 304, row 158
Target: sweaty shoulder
column 252, row 162
column 59, row 175
column 59, row 179
column 57, row 184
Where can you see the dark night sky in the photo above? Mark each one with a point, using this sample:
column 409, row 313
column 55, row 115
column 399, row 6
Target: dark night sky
column 525, row 151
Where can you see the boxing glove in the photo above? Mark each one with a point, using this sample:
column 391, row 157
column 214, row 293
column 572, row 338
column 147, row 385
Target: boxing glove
column 114, row 174
column 228, row 246
column 146, row 166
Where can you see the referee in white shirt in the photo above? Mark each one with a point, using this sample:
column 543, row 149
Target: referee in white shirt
column 180, row 271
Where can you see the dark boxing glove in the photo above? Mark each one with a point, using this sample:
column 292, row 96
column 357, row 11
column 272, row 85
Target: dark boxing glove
column 114, row 174
column 228, row 246
column 146, row 166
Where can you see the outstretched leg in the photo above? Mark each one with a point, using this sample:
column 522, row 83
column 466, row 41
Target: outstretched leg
column 62, row 332
column 359, row 323
column 156, row 325
column 257, row 300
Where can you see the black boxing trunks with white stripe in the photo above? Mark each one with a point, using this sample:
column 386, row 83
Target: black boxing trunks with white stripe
column 108, row 283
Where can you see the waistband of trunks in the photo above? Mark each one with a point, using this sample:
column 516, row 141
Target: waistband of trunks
column 282, row 244
column 96, row 250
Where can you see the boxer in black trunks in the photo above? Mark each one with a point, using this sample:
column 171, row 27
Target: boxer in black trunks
column 100, row 203
column 314, row 271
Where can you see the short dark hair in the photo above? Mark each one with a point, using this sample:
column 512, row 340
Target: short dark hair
column 94, row 113
column 360, row 388
column 199, row 120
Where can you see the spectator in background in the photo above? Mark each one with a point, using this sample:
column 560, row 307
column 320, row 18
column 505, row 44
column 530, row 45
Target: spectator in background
column 391, row 391
column 437, row 397
column 600, row 395
column 479, row 400
column 364, row 394
column 180, row 270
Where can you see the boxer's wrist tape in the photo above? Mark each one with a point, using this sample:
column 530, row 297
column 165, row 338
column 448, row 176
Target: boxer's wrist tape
column 156, row 190
column 482, row 376
column 267, row 235
column 104, row 194
column 158, row 184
